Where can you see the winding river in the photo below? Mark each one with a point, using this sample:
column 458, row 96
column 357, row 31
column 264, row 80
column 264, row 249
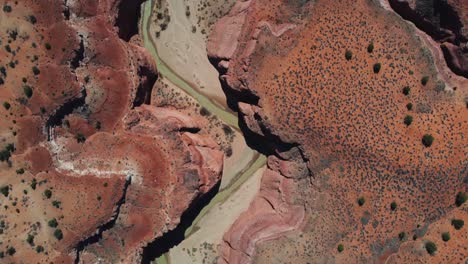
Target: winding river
column 258, row 161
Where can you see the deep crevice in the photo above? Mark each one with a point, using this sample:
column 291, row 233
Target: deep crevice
column 98, row 235
column 175, row 236
column 79, row 55
column 128, row 18
column 145, row 88
column 193, row 130
column 67, row 108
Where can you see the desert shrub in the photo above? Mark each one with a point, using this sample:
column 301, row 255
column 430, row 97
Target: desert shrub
column 427, row 140
column 98, row 125
column 36, row 70
column 32, row 19
column 20, row 171
column 348, row 55
column 52, row 223
column 58, row 234
column 446, row 236
column 7, row 8
column 431, row 247
column 80, row 138
column 30, row 239
column 28, row 91
column 377, row 67
column 6, row 105
column 5, row 190
column 370, row 48
column 406, row 90
column 460, row 198
column 48, row 46
column 39, row 249
column 56, row 203
column 361, row 201
column 402, row 236
column 33, row 184
column 408, row 120
column 11, row 251
column 2, row 81
column 424, row 80
column 393, row 206
column 458, row 223
column 409, row 106
column 48, row 193
column 340, row 248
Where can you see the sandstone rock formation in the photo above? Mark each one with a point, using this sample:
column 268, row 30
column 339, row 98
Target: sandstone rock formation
column 90, row 169
column 336, row 132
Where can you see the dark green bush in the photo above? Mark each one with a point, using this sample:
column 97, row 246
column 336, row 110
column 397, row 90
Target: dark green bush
column 431, row 247
column 7, row 8
column 48, row 193
column 361, row 201
column 32, row 19
column 6, row 105
column 36, row 70
column 340, row 248
column 348, row 55
column 424, row 80
column 377, row 67
column 39, row 249
column 458, row 223
column 5, row 190
column 460, row 198
column 409, row 106
column 58, row 234
column 393, row 206
column 11, row 251
column 408, row 120
column 370, row 48
column 30, row 239
column 80, row 138
column 20, row 171
column 28, row 91
column 56, row 203
column 406, row 90
column 52, row 223
column 33, row 184
column 446, row 236
column 48, row 46
column 402, row 236
column 427, row 140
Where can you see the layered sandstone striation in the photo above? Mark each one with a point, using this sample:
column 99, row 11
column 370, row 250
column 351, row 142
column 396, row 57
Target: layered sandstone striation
column 91, row 170
column 335, row 131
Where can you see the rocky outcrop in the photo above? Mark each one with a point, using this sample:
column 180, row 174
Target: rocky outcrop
column 444, row 21
column 113, row 170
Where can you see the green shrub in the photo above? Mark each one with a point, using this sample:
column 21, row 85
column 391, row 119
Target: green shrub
column 460, row 198
column 39, row 249
column 377, row 67
column 408, row 120
column 458, row 223
column 7, row 8
column 80, row 138
column 30, row 239
column 427, row 140
column 393, row 206
column 52, row 223
column 348, row 55
column 28, row 91
column 58, row 234
column 48, row 46
column 431, row 247
column 5, row 190
column 424, row 80
column 340, row 248
column 406, row 90
column 11, row 251
column 370, row 48
column 446, row 236
column 33, row 184
column 48, row 193
column 409, row 106
column 32, row 19
column 20, row 171
column 56, row 203
column 402, row 236
column 36, row 70
column 6, row 105
column 361, row 201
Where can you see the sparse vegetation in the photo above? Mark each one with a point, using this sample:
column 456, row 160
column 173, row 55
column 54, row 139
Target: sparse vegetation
column 409, row 106
column 406, row 91
column 52, row 223
column 80, row 138
column 33, row 184
column 431, row 247
column 393, row 206
column 48, row 46
column 402, row 236
column 427, row 140
column 370, row 48
column 36, row 70
column 30, row 239
column 28, row 91
column 56, row 203
column 6, row 105
column 11, row 251
column 39, row 249
column 48, row 193
column 5, row 190
column 7, row 8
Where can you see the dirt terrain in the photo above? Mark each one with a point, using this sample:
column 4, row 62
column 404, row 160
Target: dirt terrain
column 91, row 168
column 310, row 82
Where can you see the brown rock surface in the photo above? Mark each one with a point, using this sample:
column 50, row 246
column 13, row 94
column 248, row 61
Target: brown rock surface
column 347, row 122
column 82, row 143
